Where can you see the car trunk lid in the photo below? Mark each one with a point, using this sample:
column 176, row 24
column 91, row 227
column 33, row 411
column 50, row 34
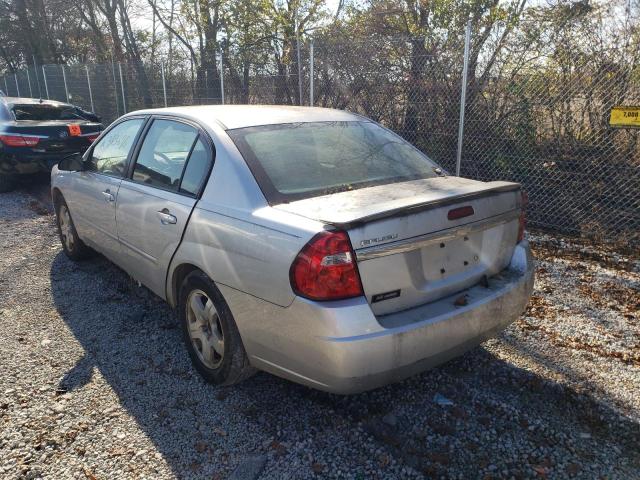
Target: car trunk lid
column 422, row 240
column 56, row 136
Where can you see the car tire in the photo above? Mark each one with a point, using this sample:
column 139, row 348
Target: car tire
column 7, row 183
column 210, row 332
column 72, row 245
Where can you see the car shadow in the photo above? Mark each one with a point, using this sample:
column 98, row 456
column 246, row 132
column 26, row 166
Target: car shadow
column 34, row 190
column 133, row 340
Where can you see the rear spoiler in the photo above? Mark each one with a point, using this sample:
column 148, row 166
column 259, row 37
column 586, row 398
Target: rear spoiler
column 497, row 187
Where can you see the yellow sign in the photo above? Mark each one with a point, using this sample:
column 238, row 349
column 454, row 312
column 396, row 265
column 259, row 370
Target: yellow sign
column 625, row 117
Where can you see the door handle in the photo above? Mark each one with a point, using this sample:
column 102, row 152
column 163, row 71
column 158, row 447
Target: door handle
column 108, row 196
column 166, row 218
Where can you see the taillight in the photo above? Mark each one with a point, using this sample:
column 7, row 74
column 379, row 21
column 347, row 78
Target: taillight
column 325, row 269
column 522, row 220
column 19, row 140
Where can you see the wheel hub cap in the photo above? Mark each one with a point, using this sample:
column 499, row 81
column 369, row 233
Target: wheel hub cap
column 65, row 227
column 205, row 329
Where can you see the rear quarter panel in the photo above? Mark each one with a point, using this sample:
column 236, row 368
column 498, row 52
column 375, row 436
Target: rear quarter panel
column 249, row 254
column 235, row 237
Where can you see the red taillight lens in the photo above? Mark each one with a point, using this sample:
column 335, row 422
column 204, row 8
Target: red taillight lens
column 522, row 220
column 92, row 138
column 325, row 269
column 19, row 140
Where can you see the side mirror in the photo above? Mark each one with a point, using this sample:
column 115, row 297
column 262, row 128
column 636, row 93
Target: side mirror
column 72, row 163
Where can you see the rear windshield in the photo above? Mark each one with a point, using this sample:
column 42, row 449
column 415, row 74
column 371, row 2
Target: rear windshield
column 45, row 112
column 302, row 160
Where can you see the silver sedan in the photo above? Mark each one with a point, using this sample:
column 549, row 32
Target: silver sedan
column 310, row 243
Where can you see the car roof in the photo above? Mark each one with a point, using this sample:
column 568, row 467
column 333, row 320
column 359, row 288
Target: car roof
column 241, row 116
column 33, row 101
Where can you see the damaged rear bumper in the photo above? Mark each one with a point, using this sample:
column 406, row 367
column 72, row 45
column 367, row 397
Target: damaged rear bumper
column 342, row 347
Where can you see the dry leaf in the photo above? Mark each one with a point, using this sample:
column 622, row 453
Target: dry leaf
column 461, row 301
column 88, row 473
column 540, row 470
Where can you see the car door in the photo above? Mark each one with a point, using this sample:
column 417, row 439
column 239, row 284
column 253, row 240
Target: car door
column 155, row 201
column 93, row 193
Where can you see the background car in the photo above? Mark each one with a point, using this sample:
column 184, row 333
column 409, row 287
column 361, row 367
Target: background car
column 310, row 243
column 36, row 134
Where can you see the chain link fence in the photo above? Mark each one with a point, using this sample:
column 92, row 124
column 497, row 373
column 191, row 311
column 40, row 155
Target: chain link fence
column 548, row 128
column 544, row 124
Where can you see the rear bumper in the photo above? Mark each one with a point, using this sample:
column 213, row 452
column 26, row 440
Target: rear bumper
column 342, row 347
column 13, row 164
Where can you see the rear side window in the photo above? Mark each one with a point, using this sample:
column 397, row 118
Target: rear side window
column 164, row 153
column 110, row 155
column 303, row 160
column 4, row 112
column 197, row 169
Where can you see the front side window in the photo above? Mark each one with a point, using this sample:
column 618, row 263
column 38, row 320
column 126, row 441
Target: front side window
column 164, row 153
column 110, row 155
column 303, row 160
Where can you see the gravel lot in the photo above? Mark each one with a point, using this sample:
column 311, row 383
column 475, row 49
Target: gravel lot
column 95, row 383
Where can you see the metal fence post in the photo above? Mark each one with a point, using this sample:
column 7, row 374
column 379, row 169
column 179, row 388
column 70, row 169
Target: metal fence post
column 311, row 73
column 463, row 96
column 221, row 79
column 299, row 65
column 115, row 86
column 86, row 69
column 46, row 85
column 15, row 79
column 124, row 101
column 35, row 71
column 164, row 84
column 29, row 82
column 64, row 79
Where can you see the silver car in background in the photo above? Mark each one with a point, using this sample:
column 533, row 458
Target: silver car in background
column 310, row 243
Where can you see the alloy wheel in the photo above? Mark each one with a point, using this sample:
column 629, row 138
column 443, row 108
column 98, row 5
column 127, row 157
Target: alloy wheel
column 66, row 229
column 205, row 329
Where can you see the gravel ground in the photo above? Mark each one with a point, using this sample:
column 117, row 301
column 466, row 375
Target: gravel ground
column 95, row 383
